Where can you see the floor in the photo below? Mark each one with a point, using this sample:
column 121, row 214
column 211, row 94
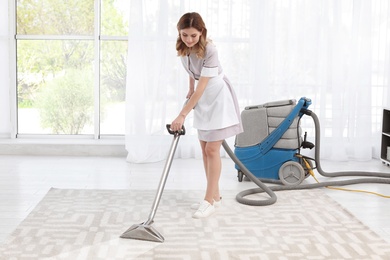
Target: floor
column 24, row 181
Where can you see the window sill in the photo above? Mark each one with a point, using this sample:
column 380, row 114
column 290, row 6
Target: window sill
column 63, row 147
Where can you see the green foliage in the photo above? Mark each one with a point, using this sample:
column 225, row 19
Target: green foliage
column 56, row 17
column 66, row 102
column 41, row 60
column 113, row 70
column 113, row 22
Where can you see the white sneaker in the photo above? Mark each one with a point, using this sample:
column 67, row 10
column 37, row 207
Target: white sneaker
column 216, row 204
column 205, row 210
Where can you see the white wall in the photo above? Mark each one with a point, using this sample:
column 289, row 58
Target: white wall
column 5, row 125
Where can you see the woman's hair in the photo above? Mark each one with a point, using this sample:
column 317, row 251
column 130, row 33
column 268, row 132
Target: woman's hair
column 193, row 20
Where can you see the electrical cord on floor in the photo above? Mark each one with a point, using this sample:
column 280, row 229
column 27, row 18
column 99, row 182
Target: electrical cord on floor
column 310, row 170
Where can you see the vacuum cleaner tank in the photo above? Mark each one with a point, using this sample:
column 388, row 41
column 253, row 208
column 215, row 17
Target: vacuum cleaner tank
column 259, row 122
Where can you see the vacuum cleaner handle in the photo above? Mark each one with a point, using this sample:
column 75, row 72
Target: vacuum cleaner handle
column 181, row 132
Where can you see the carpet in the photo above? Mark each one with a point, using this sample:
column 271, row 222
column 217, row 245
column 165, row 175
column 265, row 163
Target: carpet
column 86, row 224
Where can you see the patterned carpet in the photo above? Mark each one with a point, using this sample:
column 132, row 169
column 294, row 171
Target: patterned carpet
column 86, row 224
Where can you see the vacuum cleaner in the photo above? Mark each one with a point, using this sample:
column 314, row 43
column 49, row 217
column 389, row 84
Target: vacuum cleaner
column 268, row 151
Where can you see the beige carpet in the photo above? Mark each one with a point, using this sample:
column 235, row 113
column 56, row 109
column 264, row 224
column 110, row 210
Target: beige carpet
column 86, row 224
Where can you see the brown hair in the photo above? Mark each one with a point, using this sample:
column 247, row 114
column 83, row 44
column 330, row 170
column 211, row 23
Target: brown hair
column 193, row 20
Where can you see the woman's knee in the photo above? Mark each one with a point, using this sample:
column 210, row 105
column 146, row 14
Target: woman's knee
column 212, row 149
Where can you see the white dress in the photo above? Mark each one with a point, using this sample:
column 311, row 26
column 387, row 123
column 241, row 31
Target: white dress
column 216, row 115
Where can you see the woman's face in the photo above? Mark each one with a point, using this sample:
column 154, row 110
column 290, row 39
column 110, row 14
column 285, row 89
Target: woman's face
column 190, row 36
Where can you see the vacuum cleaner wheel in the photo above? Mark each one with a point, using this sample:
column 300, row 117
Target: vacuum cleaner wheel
column 291, row 173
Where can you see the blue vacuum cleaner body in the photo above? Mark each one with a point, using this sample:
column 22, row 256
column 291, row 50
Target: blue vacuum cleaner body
column 271, row 138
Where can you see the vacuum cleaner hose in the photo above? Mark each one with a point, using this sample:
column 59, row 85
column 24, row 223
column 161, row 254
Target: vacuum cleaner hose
column 263, row 188
column 317, row 156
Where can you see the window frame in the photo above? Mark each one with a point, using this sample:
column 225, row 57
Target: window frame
column 97, row 38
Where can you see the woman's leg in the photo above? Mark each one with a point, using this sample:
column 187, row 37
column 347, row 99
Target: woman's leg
column 212, row 164
column 203, row 146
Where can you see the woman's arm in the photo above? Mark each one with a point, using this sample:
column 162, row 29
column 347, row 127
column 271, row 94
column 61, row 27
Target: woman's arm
column 191, row 88
column 179, row 121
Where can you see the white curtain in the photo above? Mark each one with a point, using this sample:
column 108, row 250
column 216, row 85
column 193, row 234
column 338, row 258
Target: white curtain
column 335, row 52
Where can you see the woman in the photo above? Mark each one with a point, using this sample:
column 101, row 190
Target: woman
column 216, row 111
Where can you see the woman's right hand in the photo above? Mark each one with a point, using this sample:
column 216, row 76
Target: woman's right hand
column 177, row 124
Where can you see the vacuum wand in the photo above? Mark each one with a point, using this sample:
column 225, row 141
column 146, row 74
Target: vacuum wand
column 164, row 175
column 145, row 231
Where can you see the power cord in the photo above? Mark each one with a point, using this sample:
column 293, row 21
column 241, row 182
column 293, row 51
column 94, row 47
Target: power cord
column 310, row 170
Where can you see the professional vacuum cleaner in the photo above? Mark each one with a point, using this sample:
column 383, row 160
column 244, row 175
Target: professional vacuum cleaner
column 271, row 141
column 268, row 151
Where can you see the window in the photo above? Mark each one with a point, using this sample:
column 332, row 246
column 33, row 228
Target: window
column 71, row 67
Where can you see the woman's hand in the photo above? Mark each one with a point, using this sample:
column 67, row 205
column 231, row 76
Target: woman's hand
column 177, row 124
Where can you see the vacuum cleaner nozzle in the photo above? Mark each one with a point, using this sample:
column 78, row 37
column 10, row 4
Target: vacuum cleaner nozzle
column 143, row 232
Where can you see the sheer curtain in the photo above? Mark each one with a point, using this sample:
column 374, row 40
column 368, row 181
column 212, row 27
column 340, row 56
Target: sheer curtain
column 335, row 52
